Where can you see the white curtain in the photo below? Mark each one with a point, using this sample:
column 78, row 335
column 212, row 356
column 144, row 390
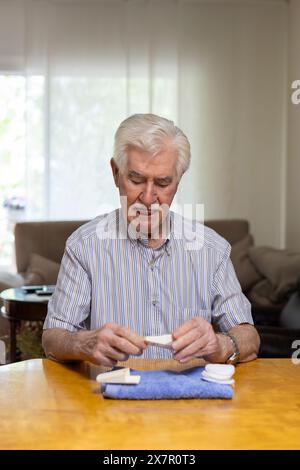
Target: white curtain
column 216, row 68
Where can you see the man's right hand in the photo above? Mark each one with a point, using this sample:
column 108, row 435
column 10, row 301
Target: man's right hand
column 108, row 345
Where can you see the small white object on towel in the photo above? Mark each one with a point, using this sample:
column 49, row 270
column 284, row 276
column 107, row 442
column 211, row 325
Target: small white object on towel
column 208, row 378
column 119, row 376
column 219, row 373
column 163, row 341
column 222, row 370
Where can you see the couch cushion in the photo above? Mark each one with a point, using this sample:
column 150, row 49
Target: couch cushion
column 232, row 230
column 41, row 271
column 46, row 238
column 261, row 295
column 280, row 267
column 245, row 270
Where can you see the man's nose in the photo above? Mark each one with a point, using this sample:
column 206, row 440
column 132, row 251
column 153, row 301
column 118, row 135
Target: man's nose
column 148, row 196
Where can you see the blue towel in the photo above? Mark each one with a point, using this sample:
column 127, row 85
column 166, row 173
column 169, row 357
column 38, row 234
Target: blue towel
column 163, row 384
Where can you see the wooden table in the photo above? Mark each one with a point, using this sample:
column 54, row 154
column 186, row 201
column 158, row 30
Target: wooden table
column 46, row 405
column 17, row 306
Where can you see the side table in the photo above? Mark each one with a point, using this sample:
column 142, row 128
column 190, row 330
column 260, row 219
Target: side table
column 17, row 306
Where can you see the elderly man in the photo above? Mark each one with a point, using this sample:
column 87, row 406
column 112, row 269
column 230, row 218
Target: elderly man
column 134, row 272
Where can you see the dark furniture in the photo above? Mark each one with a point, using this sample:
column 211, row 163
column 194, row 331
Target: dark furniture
column 18, row 306
column 279, row 330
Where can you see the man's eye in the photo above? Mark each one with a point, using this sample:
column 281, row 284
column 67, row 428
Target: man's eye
column 136, row 182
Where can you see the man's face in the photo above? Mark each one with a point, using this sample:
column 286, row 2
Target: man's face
column 149, row 184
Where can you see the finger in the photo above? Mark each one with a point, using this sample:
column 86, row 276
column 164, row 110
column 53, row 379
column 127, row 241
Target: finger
column 192, row 349
column 202, row 352
column 186, row 359
column 125, row 346
column 115, row 354
column 132, row 337
column 102, row 360
column 183, row 329
column 199, row 355
column 106, row 361
column 111, row 326
column 126, row 333
column 186, row 339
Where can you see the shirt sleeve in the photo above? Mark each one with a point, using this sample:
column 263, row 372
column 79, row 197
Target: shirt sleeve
column 230, row 307
column 69, row 306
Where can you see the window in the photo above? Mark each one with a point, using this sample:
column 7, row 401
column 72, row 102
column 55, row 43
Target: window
column 13, row 160
column 56, row 143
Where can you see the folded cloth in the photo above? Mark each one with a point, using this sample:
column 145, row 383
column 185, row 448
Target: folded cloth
column 164, row 384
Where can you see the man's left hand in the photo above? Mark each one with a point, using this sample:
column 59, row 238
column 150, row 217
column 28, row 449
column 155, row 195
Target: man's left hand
column 195, row 338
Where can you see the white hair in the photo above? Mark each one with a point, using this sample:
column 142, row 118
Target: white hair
column 151, row 133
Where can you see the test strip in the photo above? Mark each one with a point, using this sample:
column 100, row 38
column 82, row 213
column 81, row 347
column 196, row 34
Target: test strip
column 163, row 341
column 114, row 374
column 119, row 376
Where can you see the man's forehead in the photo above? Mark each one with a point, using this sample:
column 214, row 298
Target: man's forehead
column 160, row 165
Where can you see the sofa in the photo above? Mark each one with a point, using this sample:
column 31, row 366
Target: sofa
column 39, row 247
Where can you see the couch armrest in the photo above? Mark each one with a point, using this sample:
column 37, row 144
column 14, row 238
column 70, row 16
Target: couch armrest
column 8, row 280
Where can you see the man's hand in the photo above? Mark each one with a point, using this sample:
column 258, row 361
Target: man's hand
column 108, row 345
column 195, row 338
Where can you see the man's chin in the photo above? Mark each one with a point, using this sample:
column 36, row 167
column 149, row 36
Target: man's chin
column 149, row 231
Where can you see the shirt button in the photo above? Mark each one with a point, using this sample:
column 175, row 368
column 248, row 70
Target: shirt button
column 154, row 302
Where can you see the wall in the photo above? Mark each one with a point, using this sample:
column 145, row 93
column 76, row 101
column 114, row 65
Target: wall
column 293, row 160
column 233, row 106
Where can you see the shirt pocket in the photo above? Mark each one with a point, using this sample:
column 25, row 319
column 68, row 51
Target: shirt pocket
column 180, row 316
column 190, row 313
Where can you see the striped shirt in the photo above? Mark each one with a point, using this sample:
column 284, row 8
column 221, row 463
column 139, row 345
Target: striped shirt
column 108, row 276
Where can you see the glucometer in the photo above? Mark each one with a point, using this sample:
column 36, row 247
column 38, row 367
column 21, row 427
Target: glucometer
column 38, row 290
column 46, row 290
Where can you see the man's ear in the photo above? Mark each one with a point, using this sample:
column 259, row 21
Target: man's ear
column 115, row 171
